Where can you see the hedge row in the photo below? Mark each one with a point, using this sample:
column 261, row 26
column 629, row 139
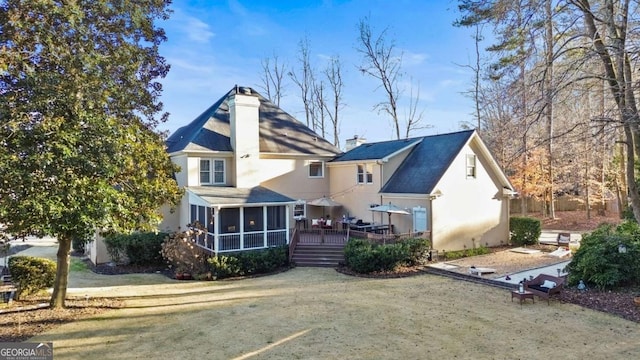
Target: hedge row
column 249, row 262
column 363, row 257
column 137, row 248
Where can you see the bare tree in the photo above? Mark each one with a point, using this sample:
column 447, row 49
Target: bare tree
column 318, row 107
column 304, row 80
column 607, row 26
column 381, row 62
column 333, row 73
column 414, row 117
column 272, row 79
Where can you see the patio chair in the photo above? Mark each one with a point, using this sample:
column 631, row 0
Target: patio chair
column 315, row 223
column 327, row 224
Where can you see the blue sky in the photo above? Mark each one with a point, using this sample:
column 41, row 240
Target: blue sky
column 214, row 45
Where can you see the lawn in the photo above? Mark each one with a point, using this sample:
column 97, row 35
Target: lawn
column 313, row 313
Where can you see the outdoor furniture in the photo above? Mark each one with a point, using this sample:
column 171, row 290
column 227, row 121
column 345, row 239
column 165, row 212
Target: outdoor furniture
column 522, row 296
column 544, row 286
column 563, row 239
column 327, row 224
column 315, row 223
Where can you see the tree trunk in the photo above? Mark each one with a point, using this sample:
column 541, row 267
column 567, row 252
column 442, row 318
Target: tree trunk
column 631, row 181
column 622, row 184
column 62, row 273
column 549, row 103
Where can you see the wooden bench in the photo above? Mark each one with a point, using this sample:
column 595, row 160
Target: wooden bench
column 535, row 286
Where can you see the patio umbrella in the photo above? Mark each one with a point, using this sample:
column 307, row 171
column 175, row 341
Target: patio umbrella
column 389, row 209
column 324, row 202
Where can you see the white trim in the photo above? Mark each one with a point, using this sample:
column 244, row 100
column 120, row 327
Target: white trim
column 212, row 172
column 322, row 168
column 364, row 174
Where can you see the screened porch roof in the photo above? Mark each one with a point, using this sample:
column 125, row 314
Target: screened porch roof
column 217, row 196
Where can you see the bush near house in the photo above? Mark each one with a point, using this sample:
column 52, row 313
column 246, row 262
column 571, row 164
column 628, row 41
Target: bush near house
column 363, row 257
column 524, row 230
column 249, row 262
column 607, row 257
column 138, row 248
column 31, row 274
column 183, row 255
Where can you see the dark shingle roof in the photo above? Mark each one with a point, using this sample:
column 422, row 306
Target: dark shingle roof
column 280, row 132
column 427, row 162
column 375, row 151
column 217, row 195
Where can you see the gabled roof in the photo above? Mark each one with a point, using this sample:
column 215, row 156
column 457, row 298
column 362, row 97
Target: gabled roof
column 426, row 164
column 376, row 151
column 280, row 133
column 231, row 196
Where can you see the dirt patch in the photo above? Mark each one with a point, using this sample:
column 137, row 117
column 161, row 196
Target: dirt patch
column 577, row 221
column 27, row 318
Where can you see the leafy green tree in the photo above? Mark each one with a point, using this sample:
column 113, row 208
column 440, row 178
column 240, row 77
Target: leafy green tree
column 79, row 106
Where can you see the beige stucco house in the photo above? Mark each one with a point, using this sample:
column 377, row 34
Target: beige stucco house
column 251, row 171
column 245, row 164
column 449, row 184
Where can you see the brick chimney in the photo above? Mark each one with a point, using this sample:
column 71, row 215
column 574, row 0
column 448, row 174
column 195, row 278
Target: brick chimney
column 245, row 136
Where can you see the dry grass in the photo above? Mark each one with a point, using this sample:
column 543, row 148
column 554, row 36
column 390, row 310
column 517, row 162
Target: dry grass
column 311, row 313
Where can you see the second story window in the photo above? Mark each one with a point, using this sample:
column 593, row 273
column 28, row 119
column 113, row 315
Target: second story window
column 316, row 169
column 471, row 166
column 365, row 174
column 212, row 171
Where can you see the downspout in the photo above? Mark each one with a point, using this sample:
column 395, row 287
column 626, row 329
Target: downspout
column 381, row 162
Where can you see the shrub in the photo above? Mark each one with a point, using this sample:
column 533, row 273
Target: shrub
column 417, row 248
column 31, row 274
column 183, row 255
column 249, row 262
column 599, row 262
column 139, row 248
column 364, row 257
column 524, row 230
column 458, row 254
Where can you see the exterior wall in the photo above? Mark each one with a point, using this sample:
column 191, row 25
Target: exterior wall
column 193, row 171
column 291, row 177
column 181, row 176
column 403, row 224
column 471, row 211
column 354, row 197
column 97, row 250
column 170, row 218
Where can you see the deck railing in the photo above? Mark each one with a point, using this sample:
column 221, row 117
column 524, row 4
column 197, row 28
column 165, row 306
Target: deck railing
column 293, row 242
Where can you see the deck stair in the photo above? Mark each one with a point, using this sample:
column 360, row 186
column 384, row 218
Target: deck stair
column 318, row 255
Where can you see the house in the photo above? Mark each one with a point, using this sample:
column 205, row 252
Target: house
column 245, row 164
column 449, row 183
column 250, row 172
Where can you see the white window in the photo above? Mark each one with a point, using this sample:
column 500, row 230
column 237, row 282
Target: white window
column 212, row 171
column 365, row 174
column 471, row 166
column 316, row 169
